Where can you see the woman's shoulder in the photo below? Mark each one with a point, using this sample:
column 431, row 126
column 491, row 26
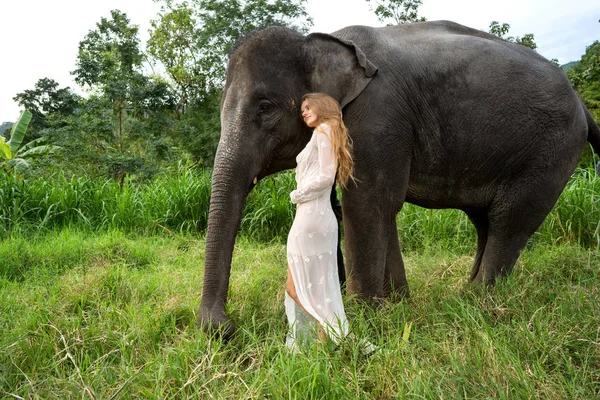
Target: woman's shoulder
column 323, row 129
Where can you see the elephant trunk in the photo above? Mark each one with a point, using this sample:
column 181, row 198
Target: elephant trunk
column 231, row 182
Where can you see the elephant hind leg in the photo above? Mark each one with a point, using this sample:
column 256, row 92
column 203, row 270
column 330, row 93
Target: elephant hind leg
column 479, row 219
column 510, row 225
column 500, row 255
column 395, row 275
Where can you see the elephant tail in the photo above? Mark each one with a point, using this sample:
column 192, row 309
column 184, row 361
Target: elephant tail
column 593, row 134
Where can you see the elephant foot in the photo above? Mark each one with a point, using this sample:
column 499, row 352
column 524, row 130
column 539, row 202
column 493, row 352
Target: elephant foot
column 396, row 291
column 220, row 323
column 398, row 294
column 479, row 278
column 388, row 293
column 476, row 288
column 373, row 299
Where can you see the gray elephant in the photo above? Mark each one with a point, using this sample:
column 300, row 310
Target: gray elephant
column 441, row 115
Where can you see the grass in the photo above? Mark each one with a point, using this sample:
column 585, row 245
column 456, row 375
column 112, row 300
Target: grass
column 179, row 202
column 112, row 315
column 99, row 290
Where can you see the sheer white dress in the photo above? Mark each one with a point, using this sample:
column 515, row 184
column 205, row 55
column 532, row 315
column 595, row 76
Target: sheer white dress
column 312, row 246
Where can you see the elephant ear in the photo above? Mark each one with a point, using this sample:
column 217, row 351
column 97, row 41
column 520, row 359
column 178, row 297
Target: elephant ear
column 338, row 67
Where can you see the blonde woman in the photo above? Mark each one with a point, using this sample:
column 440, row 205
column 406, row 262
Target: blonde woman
column 313, row 297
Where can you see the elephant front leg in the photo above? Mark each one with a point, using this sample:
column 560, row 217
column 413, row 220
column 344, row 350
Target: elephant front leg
column 366, row 245
column 395, row 282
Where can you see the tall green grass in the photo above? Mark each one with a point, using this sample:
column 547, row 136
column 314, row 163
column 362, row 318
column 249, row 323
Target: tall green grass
column 179, row 202
column 112, row 315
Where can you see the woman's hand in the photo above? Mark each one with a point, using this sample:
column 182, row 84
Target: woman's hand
column 294, row 197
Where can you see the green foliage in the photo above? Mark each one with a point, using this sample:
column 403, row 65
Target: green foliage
column 86, row 136
column 528, row 40
column 17, row 133
column 269, row 213
column 569, row 65
column 398, row 11
column 113, row 315
column 172, row 202
column 48, row 105
column 110, row 61
column 15, row 156
column 179, row 201
column 118, row 165
column 134, row 125
column 109, row 56
column 192, row 39
column 5, row 129
column 585, row 78
column 199, row 129
column 172, row 42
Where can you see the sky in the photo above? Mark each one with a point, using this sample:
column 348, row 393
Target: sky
column 39, row 38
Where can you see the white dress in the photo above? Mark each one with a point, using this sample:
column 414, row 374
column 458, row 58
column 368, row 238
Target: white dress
column 312, row 246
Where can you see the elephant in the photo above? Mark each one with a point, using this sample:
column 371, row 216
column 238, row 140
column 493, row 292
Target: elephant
column 440, row 115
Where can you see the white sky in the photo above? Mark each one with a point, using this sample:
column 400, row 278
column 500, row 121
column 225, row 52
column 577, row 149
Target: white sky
column 39, row 38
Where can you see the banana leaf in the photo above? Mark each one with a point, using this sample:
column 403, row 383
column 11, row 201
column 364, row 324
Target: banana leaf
column 18, row 131
column 18, row 164
column 5, row 153
column 32, row 144
column 39, row 151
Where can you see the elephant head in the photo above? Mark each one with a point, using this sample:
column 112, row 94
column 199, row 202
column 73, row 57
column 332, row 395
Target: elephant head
column 262, row 132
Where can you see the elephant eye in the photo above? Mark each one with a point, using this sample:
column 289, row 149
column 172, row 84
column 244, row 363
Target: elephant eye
column 266, row 114
column 264, row 106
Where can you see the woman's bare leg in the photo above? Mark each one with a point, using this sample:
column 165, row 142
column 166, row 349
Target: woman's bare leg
column 291, row 290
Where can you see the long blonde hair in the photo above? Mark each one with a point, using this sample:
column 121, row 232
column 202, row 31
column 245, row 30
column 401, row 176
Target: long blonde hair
column 328, row 111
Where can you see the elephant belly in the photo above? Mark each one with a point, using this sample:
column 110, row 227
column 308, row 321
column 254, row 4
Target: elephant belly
column 449, row 192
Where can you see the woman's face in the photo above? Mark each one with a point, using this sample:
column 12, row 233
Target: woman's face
column 309, row 115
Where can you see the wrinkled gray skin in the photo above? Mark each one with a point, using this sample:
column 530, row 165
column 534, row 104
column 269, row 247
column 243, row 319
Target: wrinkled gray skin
column 441, row 115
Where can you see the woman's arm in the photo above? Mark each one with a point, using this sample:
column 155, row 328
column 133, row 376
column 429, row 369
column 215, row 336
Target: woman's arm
column 313, row 188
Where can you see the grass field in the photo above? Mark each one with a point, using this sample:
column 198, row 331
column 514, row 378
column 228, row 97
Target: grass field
column 179, row 203
column 112, row 315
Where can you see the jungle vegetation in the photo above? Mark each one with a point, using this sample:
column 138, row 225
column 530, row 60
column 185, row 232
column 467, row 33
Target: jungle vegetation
column 101, row 245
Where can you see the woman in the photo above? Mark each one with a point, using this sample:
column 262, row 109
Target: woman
column 313, row 298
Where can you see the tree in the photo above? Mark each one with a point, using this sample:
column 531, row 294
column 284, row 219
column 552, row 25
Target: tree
column 587, row 71
column 14, row 156
column 110, row 62
column 198, row 130
column 46, row 99
column 528, row 40
column 172, row 41
column 192, row 39
column 399, row 11
column 5, row 129
column 585, row 78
